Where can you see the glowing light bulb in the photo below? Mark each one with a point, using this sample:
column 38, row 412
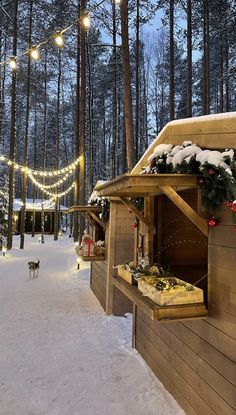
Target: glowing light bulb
column 12, row 63
column 59, row 40
column 86, row 21
column 34, row 54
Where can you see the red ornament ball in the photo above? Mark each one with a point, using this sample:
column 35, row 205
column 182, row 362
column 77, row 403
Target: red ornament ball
column 233, row 208
column 135, row 225
column 212, row 222
column 200, row 180
column 130, row 211
column 211, row 171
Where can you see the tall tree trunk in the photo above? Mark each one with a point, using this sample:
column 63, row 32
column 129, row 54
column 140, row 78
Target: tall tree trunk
column 2, row 85
column 57, row 201
column 82, row 118
column 227, row 89
column 76, row 139
column 189, row 58
column 44, row 144
column 137, row 82
column 172, row 62
column 28, row 84
column 206, row 58
column 129, row 130
column 35, row 151
column 12, row 131
column 114, row 96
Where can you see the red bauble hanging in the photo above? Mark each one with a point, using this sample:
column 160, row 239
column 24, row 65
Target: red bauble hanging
column 211, row 171
column 135, row 225
column 212, row 222
column 233, row 208
column 130, row 211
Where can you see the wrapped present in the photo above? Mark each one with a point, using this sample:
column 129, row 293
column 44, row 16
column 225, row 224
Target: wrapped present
column 87, row 247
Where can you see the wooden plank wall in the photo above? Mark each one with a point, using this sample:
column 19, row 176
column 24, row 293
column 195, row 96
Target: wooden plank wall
column 124, row 252
column 98, row 280
column 121, row 235
column 196, row 360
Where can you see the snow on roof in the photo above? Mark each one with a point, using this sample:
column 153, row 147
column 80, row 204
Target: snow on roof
column 37, row 205
column 94, row 198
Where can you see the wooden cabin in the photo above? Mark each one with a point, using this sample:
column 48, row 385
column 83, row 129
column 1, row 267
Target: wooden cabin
column 118, row 234
column 35, row 208
column 190, row 348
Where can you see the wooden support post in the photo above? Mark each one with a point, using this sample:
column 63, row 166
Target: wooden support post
column 134, row 326
column 200, row 223
column 99, row 221
column 137, row 213
column 111, row 257
column 149, row 216
column 136, row 243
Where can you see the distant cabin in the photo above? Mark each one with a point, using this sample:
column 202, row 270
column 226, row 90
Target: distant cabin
column 36, row 208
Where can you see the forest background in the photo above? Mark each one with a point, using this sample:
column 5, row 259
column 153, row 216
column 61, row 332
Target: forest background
column 183, row 64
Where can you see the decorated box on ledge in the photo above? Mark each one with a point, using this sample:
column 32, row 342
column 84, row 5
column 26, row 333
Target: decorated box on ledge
column 90, row 250
column 132, row 274
column 169, row 291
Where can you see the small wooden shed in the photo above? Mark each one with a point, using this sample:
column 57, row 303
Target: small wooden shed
column 35, row 208
column 191, row 348
column 118, row 233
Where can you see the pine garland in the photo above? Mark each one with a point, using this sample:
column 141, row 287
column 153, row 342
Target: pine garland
column 216, row 180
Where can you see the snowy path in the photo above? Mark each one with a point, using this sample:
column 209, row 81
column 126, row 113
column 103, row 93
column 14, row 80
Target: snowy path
column 59, row 353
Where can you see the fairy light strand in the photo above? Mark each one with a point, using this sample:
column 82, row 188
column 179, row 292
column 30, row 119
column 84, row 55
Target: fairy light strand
column 48, row 173
column 56, row 37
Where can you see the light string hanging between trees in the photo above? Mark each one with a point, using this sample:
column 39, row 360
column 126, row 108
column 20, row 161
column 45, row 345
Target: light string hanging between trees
column 57, row 38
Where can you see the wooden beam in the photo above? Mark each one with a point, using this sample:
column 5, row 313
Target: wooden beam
column 137, row 213
column 86, row 209
column 98, row 220
column 111, row 257
column 199, row 222
column 88, row 217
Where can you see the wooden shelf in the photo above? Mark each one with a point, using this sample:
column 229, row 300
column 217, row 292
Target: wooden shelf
column 92, row 258
column 85, row 209
column 134, row 185
column 156, row 312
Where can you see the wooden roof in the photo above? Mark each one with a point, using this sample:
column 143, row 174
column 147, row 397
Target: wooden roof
column 133, row 185
column 217, row 131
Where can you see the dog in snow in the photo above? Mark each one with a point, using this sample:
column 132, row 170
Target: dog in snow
column 34, row 269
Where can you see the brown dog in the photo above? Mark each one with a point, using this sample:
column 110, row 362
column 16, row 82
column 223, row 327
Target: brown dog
column 33, row 269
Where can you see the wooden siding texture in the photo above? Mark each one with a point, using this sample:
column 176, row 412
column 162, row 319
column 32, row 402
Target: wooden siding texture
column 196, row 360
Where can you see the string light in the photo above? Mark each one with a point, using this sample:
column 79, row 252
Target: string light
column 49, row 186
column 34, row 54
column 50, row 173
column 59, row 39
column 86, row 21
column 12, row 63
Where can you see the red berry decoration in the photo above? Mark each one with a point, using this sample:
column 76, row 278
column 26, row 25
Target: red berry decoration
column 130, row 211
column 135, row 225
column 212, row 222
column 153, row 163
column 233, row 208
column 211, row 171
column 200, row 180
column 229, row 203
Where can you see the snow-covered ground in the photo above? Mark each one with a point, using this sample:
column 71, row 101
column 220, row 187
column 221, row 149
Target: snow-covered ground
column 59, row 353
